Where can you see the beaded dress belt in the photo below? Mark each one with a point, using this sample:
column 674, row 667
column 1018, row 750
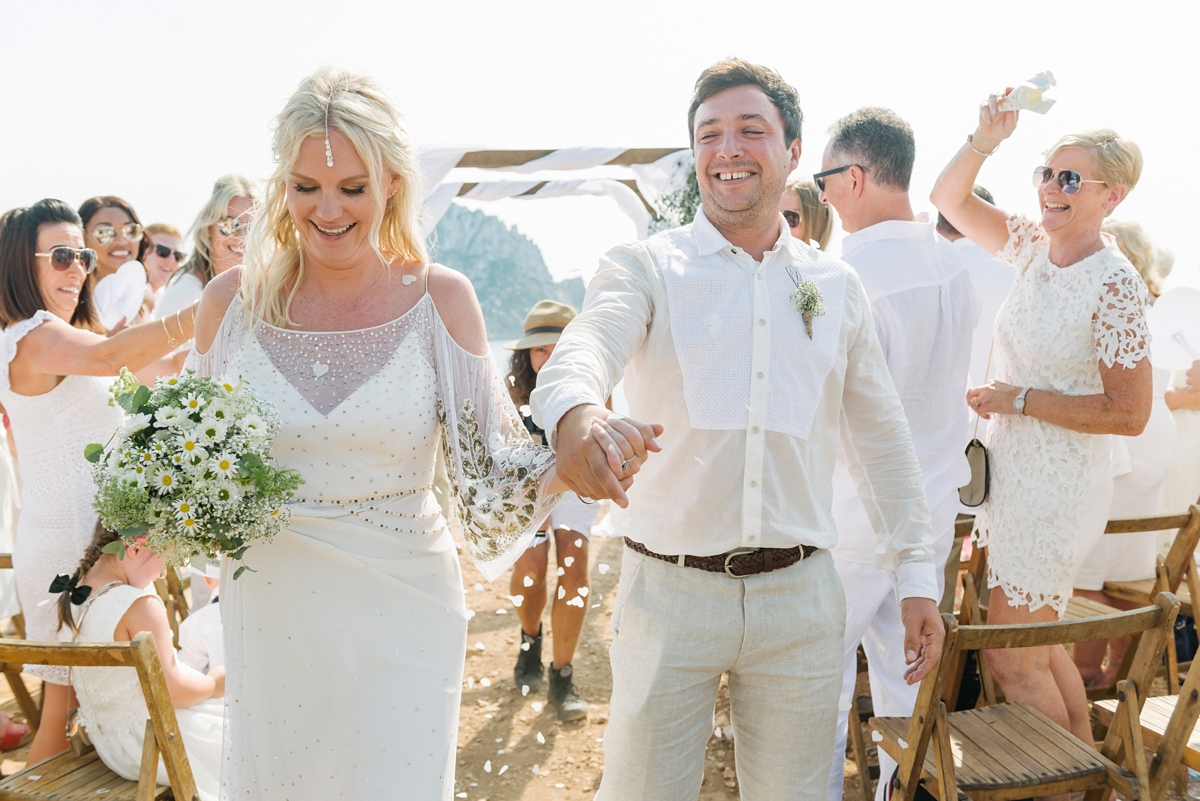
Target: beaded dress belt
column 738, row 563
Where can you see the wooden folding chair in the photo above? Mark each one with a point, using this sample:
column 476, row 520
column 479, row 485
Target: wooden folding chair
column 861, row 709
column 68, row 776
column 12, row 673
column 170, row 590
column 1012, row 751
column 1169, row 727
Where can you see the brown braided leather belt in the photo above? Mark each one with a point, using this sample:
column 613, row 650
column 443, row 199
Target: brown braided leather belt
column 738, row 563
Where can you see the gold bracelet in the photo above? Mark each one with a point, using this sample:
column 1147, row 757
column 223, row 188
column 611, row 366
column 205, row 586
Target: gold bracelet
column 171, row 341
column 971, row 144
column 179, row 324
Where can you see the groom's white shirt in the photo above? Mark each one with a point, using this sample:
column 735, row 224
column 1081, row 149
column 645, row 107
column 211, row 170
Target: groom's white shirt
column 711, row 346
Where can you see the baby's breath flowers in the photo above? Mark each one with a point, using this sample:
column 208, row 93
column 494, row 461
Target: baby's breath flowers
column 191, row 469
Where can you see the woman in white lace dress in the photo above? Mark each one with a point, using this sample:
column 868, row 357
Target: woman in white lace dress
column 55, row 369
column 345, row 649
column 1070, row 349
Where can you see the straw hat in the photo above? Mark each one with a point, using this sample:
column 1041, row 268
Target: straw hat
column 543, row 325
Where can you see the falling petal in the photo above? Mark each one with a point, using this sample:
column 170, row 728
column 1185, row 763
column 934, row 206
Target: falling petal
column 537, row 706
column 537, row 770
column 524, row 646
column 876, row 737
column 583, row 591
column 844, row 705
column 504, row 768
column 901, row 743
column 570, row 560
column 561, row 572
column 501, row 611
column 524, row 690
column 541, row 738
column 701, row 461
column 562, row 591
column 487, row 766
column 478, row 646
column 478, row 587
column 470, row 614
column 603, row 568
column 579, row 542
column 485, row 682
column 528, row 581
column 517, row 600
column 470, row 682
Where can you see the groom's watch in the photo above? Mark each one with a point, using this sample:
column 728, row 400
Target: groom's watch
column 1019, row 401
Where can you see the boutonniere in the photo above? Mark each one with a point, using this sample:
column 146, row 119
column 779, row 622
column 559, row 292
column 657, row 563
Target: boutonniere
column 807, row 299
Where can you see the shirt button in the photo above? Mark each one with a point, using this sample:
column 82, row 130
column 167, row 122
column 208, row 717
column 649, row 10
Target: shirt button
column 759, row 374
column 752, row 538
column 753, row 484
column 754, row 429
column 762, row 322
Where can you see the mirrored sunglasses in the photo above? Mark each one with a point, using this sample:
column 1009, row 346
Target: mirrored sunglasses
column 105, row 234
column 165, row 252
column 231, row 226
column 1068, row 180
column 62, row 257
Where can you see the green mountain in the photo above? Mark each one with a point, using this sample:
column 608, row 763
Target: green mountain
column 505, row 267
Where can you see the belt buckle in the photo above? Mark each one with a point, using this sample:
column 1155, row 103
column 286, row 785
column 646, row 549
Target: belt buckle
column 736, row 552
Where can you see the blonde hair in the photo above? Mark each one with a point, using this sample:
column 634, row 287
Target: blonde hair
column 817, row 216
column 1118, row 161
column 163, row 228
column 224, row 191
column 1137, row 247
column 355, row 105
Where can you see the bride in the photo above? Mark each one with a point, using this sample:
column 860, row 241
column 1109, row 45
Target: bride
column 345, row 648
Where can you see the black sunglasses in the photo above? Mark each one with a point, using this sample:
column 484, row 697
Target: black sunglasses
column 792, row 218
column 63, row 257
column 1068, row 180
column 165, row 252
column 819, row 178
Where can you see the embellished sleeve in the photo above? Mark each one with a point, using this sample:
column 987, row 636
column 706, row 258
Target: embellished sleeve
column 1122, row 336
column 13, row 335
column 1025, row 239
column 230, row 336
column 496, row 470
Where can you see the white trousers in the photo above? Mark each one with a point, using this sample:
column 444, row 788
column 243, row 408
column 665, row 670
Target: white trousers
column 675, row 631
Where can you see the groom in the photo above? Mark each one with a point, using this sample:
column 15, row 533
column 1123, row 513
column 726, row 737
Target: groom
column 726, row 565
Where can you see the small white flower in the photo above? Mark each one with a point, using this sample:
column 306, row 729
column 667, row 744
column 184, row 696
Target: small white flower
column 193, row 402
column 189, row 524
column 219, row 409
column 134, row 424
column 228, row 491
column 223, row 465
column 211, row 432
column 189, row 446
column 165, row 481
column 253, row 424
column 137, row 475
column 184, row 508
column 169, row 416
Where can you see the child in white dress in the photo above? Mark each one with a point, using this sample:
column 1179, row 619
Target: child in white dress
column 117, row 604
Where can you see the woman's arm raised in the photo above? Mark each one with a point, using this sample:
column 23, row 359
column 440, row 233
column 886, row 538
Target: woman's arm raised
column 953, row 194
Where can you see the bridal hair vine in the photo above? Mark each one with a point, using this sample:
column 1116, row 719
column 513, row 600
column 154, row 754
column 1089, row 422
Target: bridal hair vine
column 806, row 299
column 328, row 150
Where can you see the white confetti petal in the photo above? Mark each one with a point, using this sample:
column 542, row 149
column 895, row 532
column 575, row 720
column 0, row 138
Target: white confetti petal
column 562, row 591
column 541, row 738
column 568, row 561
column 537, row 770
column 517, row 600
column 560, row 572
column 470, row 682
column 501, row 611
column 485, row 682
column 844, row 705
column 901, row 743
column 527, row 581
column 876, row 737
column 595, row 606
column 583, row 591
column 478, row 587
column 579, row 542
column 487, row 766
column 504, row 768
column 524, row 646
column 461, row 795
column 478, row 646
column 603, row 568
column 470, row 614
column 576, row 601
column 524, row 690
column 537, row 706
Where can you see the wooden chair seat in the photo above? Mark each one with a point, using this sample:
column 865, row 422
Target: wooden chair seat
column 67, row 776
column 1156, row 715
column 1000, row 748
column 1139, row 591
column 1079, row 608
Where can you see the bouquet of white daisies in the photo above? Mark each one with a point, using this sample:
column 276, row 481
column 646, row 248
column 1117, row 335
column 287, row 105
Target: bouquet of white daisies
column 190, row 470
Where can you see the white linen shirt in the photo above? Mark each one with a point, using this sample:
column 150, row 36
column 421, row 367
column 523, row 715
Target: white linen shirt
column 751, row 475
column 925, row 309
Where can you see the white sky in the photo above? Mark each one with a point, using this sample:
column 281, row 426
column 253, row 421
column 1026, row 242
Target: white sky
column 153, row 101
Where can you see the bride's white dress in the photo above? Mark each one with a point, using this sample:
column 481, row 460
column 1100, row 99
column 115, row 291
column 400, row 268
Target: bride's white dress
column 57, row 519
column 345, row 649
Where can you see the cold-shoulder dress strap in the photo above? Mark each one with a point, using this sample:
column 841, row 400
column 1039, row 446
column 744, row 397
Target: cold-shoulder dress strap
column 9, row 339
column 496, row 470
column 231, row 335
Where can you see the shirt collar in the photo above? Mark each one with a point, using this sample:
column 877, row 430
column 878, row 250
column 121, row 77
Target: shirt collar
column 888, row 229
column 709, row 240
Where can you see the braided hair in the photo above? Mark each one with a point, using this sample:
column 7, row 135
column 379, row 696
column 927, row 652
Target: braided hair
column 100, row 537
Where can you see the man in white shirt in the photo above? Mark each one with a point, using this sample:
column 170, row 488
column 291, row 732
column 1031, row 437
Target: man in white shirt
column 726, row 566
column 924, row 309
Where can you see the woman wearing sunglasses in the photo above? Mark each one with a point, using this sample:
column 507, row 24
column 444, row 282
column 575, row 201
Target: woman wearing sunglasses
column 164, row 256
column 111, row 228
column 1070, row 348
column 809, row 218
column 218, row 241
column 55, row 369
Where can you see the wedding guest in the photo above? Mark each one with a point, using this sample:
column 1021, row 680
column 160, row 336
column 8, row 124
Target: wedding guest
column 111, row 227
column 374, row 359
column 1141, row 465
column 119, row 603
column 55, row 369
column 163, row 256
column 726, row 565
column 808, row 216
column 571, row 525
column 1070, row 351
column 218, row 242
column 201, row 637
column 924, row 309
column 992, row 279
column 1182, row 486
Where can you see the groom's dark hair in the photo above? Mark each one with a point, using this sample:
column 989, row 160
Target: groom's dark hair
column 735, row 72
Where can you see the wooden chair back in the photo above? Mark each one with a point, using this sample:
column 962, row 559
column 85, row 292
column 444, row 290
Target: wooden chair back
column 162, row 731
column 170, row 591
column 928, row 725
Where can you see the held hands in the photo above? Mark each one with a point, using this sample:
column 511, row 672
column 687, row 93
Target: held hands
column 994, row 397
column 599, row 452
column 994, row 125
column 924, row 634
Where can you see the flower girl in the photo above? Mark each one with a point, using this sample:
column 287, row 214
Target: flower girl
column 117, row 604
